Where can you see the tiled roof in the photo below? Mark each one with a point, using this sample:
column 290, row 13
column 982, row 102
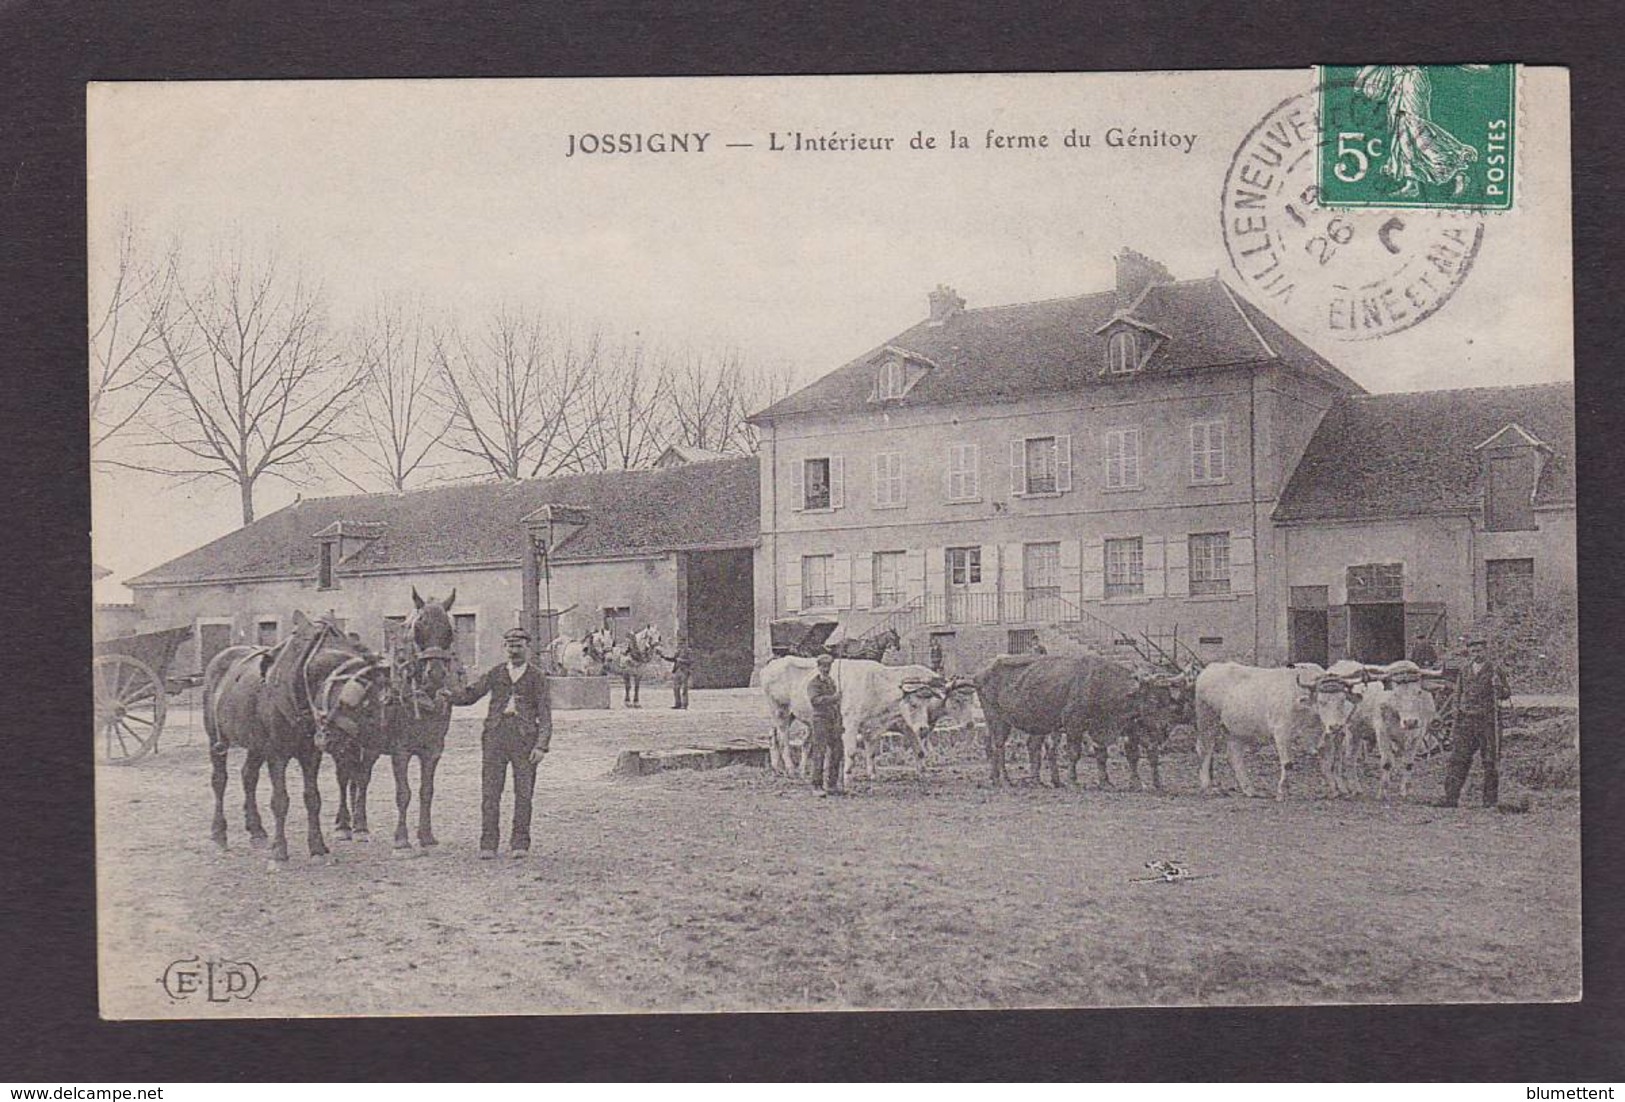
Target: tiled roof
column 1003, row 352
column 715, row 504
column 1412, row 454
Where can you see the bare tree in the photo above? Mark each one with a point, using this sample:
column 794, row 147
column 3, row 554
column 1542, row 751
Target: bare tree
column 513, row 393
column 131, row 305
column 251, row 383
column 758, row 390
column 622, row 416
column 714, row 390
column 704, row 388
column 397, row 424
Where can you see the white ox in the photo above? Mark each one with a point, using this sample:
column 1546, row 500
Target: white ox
column 1238, row 705
column 1396, row 711
column 874, row 699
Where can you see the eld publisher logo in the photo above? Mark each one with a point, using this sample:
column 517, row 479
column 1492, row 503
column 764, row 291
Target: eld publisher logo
column 218, row 981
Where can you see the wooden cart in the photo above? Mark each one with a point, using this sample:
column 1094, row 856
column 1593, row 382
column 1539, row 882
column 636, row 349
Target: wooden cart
column 132, row 686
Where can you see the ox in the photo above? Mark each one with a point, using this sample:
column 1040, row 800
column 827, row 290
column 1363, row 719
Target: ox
column 1238, row 705
column 1396, row 711
column 874, row 699
column 1079, row 697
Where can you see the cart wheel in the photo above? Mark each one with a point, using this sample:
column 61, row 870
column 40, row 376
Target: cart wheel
column 130, row 703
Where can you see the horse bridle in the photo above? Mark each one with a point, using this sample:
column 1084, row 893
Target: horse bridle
column 414, row 665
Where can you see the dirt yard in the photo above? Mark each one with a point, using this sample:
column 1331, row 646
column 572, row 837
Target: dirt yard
column 739, row 890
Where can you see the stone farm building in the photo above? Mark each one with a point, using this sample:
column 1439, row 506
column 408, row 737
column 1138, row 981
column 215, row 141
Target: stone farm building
column 1156, row 459
column 1422, row 512
column 671, row 546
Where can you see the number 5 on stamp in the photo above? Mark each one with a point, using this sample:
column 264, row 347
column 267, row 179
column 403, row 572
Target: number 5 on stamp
column 1437, row 136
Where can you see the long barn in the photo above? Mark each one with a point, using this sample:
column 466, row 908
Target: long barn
column 671, row 546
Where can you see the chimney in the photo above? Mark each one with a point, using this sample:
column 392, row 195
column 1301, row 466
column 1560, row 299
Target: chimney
column 944, row 304
column 1136, row 272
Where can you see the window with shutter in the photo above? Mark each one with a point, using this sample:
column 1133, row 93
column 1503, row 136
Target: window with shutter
column 888, row 480
column 962, row 482
column 1040, row 465
column 1208, row 462
column 816, row 484
column 1122, row 459
column 1125, row 567
column 1209, row 563
column 817, row 581
column 890, row 580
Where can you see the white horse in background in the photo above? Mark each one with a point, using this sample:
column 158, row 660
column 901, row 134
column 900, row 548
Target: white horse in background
column 585, row 657
column 636, row 658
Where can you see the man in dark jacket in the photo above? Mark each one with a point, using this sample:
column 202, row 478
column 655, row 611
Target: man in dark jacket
column 1480, row 687
column 682, row 669
column 518, row 730
column 1424, row 653
column 824, row 742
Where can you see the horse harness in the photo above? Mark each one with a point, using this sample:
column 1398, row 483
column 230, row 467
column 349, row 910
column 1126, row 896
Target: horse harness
column 343, row 689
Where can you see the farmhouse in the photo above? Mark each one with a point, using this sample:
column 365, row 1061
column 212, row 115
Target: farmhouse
column 1081, row 467
column 670, row 547
column 1159, row 460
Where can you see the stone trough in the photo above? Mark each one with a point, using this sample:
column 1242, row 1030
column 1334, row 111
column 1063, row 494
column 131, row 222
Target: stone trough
column 638, row 763
column 573, row 693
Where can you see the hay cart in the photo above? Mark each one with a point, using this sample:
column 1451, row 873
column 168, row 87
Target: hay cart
column 132, row 684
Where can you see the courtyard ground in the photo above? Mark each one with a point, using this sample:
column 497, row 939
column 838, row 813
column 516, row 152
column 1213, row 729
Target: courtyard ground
column 736, row 889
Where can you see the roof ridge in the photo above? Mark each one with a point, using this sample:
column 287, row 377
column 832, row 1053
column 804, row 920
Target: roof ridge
column 1230, row 296
column 1087, row 294
column 1437, row 391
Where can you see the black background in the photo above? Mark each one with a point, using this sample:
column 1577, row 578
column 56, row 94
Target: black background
column 49, row 1031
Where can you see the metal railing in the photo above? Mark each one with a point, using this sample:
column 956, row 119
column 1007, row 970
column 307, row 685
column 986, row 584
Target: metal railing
column 1162, row 646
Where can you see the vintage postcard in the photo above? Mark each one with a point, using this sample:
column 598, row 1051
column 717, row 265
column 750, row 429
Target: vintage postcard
column 1001, row 541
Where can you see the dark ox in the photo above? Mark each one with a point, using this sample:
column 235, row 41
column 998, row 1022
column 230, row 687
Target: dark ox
column 1080, row 698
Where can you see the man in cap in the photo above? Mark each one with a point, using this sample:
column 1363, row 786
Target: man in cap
column 1480, row 687
column 824, row 743
column 1423, row 652
column 682, row 670
column 518, row 730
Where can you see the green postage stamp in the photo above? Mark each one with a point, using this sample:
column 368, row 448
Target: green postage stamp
column 1439, row 136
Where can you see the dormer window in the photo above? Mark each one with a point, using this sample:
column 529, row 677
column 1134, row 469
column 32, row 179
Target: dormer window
column 1511, row 466
column 891, row 379
column 1122, row 353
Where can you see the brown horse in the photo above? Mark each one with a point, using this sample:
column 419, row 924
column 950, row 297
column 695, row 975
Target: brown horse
column 412, row 723
column 314, row 691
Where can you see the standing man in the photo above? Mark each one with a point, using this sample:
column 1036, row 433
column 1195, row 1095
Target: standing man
column 824, row 744
column 1480, row 687
column 682, row 668
column 1423, row 652
column 518, row 730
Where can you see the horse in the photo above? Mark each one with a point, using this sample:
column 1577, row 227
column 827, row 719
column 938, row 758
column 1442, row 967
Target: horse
column 414, row 721
column 870, row 647
column 314, row 691
column 586, row 657
column 632, row 660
